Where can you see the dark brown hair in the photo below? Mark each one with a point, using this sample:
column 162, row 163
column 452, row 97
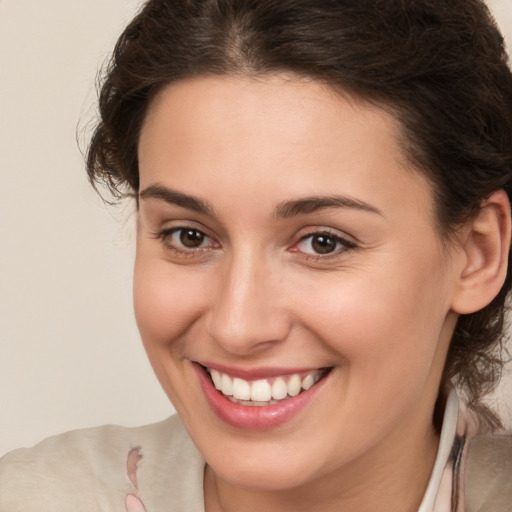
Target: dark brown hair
column 438, row 65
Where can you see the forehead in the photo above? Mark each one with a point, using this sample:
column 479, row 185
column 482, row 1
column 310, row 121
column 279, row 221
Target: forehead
column 292, row 135
column 282, row 104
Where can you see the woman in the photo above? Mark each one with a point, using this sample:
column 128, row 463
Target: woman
column 323, row 241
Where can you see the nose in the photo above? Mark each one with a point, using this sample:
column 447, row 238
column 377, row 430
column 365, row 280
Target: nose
column 249, row 311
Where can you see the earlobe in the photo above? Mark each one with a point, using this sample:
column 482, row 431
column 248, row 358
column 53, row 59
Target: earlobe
column 485, row 249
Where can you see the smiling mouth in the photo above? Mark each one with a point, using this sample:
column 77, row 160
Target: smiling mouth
column 264, row 392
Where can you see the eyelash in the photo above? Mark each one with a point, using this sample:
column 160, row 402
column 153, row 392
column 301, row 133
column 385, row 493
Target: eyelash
column 164, row 235
column 342, row 245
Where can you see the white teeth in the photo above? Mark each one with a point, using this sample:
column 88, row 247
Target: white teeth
column 217, row 379
column 241, row 389
column 294, row 385
column 227, row 385
column 279, row 390
column 261, row 391
column 308, row 381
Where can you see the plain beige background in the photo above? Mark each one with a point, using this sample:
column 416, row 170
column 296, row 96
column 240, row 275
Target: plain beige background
column 70, row 354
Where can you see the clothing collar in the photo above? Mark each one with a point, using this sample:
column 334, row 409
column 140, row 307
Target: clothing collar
column 445, row 490
column 438, row 496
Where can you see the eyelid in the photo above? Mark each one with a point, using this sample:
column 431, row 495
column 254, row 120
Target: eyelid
column 347, row 243
column 165, row 233
column 175, row 225
column 319, row 230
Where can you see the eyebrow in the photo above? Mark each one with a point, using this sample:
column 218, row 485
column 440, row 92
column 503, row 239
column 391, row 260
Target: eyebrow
column 285, row 209
column 312, row 204
column 177, row 198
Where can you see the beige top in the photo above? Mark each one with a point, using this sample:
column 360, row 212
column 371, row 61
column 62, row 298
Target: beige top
column 103, row 469
column 156, row 468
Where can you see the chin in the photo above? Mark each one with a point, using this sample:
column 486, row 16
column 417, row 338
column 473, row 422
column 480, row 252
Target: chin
column 264, row 474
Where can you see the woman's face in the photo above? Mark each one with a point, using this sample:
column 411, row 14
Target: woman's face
column 285, row 242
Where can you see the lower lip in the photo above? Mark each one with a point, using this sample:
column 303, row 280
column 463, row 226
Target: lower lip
column 254, row 417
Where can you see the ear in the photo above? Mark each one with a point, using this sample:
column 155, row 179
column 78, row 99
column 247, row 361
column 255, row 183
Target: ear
column 485, row 250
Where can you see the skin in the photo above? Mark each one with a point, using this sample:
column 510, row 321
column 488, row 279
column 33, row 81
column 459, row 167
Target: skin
column 378, row 309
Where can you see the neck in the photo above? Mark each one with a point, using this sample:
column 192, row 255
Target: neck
column 374, row 481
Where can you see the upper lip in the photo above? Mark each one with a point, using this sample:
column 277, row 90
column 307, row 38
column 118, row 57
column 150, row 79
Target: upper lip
column 258, row 373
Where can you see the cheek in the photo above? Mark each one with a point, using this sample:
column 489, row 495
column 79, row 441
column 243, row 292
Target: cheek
column 380, row 325
column 166, row 303
column 386, row 338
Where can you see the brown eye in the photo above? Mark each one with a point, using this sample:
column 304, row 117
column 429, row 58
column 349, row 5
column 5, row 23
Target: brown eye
column 187, row 242
column 191, row 238
column 323, row 243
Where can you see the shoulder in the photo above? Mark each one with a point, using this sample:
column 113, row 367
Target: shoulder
column 96, row 469
column 488, row 478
